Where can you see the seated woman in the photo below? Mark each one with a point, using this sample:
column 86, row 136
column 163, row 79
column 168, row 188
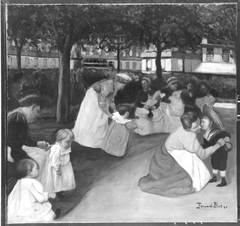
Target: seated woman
column 166, row 117
column 205, row 96
column 189, row 96
column 147, row 104
column 18, row 139
column 177, row 167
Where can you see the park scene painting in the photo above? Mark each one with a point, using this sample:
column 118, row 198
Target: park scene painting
column 121, row 113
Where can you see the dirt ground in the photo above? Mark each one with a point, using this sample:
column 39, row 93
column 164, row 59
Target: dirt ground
column 107, row 191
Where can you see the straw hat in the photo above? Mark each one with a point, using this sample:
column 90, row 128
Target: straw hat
column 209, row 112
column 172, row 81
column 123, row 78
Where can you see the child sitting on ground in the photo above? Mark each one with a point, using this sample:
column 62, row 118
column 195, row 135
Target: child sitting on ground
column 58, row 175
column 214, row 131
column 28, row 201
column 116, row 139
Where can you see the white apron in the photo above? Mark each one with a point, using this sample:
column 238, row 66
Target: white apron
column 194, row 166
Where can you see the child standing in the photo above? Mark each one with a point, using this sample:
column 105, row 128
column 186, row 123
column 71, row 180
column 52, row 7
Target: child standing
column 213, row 128
column 58, row 175
column 28, row 201
column 116, row 139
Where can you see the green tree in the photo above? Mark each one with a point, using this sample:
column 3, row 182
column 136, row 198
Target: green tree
column 21, row 27
column 113, row 31
column 219, row 22
column 166, row 26
column 63, row 26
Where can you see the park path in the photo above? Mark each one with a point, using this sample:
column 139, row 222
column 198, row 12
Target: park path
column 107, row 188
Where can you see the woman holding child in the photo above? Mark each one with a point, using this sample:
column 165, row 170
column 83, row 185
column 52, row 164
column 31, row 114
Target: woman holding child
column 20, row 143
column 93, row 117
column 177, row 168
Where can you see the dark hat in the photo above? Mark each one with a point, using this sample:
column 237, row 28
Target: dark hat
column 147, row 79
column 209, row 112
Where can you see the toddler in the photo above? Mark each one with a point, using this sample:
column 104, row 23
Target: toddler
column 58, row 175
column 28, row 201
column 214, row 131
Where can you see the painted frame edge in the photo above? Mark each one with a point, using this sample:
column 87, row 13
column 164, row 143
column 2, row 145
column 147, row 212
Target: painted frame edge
column 4, row 4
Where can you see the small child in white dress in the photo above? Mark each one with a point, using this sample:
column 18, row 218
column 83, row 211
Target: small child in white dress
column 58, row 175
column 28, row 201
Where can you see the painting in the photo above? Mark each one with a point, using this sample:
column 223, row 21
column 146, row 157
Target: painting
column 118, row 112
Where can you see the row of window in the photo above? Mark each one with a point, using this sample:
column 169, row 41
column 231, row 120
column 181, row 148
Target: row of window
column 210, row 55
column 26, row 61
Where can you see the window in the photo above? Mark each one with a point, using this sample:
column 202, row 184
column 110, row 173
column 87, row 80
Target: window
column 35, row 61
column 53, row 62
column 127, row 65
column 225, row 55
column 27, row 62
column 121, row 65
column 9, row 61
column 209, row 54
column 44, row 62
column 134, row 65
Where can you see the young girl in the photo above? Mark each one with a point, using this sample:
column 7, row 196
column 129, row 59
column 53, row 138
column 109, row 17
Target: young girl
column 58, row 174
column 28, row 200
column 116, row 139
column 213, row 128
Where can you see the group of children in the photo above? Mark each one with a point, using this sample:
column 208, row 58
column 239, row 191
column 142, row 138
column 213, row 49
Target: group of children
column 29, row 199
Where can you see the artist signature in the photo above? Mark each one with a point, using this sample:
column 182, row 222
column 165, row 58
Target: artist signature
column 213, row 205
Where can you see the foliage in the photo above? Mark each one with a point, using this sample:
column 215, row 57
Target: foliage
column 219, row 22
column 166, row 26
column 21, row 27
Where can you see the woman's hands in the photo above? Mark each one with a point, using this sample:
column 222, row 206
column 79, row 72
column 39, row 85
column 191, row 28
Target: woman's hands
column 43, row 144
column 52, row 195
column 221, row 142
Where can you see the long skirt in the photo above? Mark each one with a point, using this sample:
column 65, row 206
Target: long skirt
column 166, row 177
column 92, row 123
column 116, row 140
column 194, row 166
column 161, row 122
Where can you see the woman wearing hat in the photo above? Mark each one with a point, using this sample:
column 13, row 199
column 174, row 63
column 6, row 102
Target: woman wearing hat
column 214, row 131
column 92, row 120
column 206, row 97
column 147, row 104
column 21, row 144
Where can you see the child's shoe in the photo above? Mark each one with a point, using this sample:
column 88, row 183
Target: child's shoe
column 223, row 183
column 57, row 213
column 214, row 179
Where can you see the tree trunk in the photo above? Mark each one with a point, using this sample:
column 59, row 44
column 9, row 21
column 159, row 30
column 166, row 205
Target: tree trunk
column 19, row 50
column 118, row 58
column 63, row 103
column 158, row 61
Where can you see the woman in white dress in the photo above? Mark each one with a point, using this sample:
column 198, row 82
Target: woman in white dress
column 92, row 121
